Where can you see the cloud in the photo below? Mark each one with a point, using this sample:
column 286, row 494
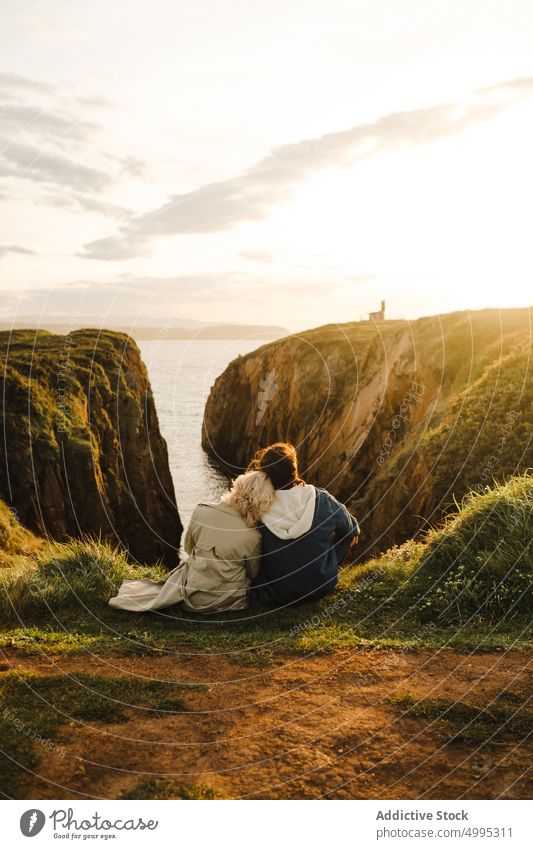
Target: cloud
column 27, row 161
column 133, row 166
column 113, row 248
column 97, row 102
column 17, row 118
column 48, row 139
column 135, row 297
column 257, row 256
column 522, row 85
column 79, row 201
column 15, row 82
column 15, row 249
column 103, row 304
column 249, row 196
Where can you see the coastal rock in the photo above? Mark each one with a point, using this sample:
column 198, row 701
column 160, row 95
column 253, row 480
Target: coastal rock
column 81, row 448
column 395, row 418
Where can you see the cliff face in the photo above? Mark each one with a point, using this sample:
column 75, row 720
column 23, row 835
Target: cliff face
column 395, row 419
column 81, row 449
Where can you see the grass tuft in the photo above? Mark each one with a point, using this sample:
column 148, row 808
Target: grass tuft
column 80, row 574
column 506, row 717
column 479, row 565
column 157, row 788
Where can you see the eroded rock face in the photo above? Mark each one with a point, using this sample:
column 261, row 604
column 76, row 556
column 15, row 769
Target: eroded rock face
column 395, row 419
column 81, row 447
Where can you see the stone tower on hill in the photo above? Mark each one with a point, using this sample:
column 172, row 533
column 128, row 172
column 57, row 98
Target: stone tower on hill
column 379, row 315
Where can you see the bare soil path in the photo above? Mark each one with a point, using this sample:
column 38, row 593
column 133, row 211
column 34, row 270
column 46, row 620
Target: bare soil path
column 297, row 728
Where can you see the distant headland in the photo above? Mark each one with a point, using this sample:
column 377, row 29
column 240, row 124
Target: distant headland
column 163, row 330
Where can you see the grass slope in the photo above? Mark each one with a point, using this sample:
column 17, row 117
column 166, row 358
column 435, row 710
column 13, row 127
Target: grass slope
column 468, row 584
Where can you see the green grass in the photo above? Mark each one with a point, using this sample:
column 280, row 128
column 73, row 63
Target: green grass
column 506, row 717
column 479, row 565
column 157, row 788
column 17, row 544
column 468, row 585
column 72, row 405
column 33, row 709
column 81, row 574
column 75, row 636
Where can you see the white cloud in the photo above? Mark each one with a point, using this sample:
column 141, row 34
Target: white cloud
column 132, row 296
column 79, row 201
column 15, row 249
column 249, row 196
column 48, row 139
column 257, row 256
column 15, row 82
column 28, row 162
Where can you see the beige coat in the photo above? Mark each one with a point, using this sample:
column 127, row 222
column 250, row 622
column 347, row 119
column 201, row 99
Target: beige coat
column 223, row 556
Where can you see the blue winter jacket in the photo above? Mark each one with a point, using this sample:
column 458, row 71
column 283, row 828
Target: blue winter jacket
column 303, row 536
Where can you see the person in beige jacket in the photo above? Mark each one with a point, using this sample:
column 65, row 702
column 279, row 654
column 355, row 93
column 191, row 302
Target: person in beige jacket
column 223, row 546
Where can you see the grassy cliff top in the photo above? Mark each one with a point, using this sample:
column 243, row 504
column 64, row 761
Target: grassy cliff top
column 81, row 447
column 447, row 342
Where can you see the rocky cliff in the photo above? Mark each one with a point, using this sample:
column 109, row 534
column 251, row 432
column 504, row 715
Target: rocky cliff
column 81, row 450
column 396, row 419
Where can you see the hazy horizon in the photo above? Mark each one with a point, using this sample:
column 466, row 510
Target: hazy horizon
column 280, row 165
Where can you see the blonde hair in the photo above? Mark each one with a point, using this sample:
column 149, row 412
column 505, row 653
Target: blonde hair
column 251, row 494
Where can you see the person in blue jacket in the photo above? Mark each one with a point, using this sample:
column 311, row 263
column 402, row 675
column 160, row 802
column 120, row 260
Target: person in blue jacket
column 306, row 533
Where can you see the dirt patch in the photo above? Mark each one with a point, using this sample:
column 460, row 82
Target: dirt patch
column 299, row 728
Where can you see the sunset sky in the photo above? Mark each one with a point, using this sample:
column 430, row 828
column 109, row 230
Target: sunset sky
column 285, row 162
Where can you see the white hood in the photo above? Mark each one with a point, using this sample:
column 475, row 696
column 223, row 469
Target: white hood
column 291, row 513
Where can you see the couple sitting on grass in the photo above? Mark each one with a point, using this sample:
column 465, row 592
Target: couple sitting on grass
column 271, row 541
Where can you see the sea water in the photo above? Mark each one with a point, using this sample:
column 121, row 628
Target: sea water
column 181, row 374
